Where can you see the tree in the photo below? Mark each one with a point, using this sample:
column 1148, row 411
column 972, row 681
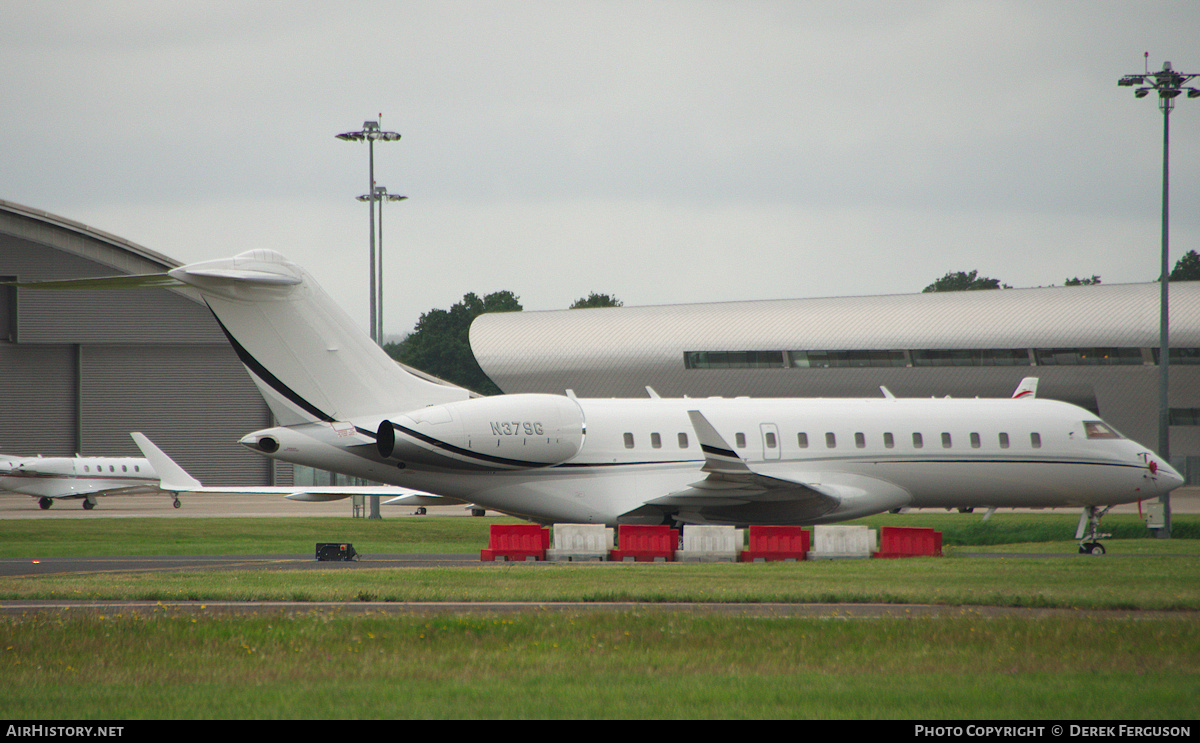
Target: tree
column 1083, row 282
column 439, row 344
column 958, row 281
column 1187, row 268
column 596, row 300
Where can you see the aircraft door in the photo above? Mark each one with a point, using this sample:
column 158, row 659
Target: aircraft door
column 770, row 440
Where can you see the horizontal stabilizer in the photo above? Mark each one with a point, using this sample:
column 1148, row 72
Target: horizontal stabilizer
column 138, row 281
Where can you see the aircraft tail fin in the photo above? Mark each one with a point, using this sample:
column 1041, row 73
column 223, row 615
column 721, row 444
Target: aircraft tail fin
column 310, row 361
column 171, row 476
column 1026, row 389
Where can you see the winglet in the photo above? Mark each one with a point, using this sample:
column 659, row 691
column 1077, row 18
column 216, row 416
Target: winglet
column 719, row 456
column 1027, row 388
column 171, row 476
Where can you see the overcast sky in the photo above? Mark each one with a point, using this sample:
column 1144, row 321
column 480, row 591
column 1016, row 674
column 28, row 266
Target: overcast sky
column 660, row 151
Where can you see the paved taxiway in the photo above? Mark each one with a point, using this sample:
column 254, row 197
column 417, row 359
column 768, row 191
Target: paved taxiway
column 199, row 505
column 212, row 505
column 12, row 506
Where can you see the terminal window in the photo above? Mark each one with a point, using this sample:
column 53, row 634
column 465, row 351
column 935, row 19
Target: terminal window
column 844, row 359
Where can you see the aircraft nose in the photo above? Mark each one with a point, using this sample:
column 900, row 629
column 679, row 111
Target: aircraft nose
column 1165, row 476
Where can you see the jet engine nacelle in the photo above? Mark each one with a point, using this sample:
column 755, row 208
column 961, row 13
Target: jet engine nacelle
column 502, row 432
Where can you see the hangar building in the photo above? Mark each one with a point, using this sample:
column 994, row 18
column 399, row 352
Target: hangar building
column 1094, row 346
column 81, row 369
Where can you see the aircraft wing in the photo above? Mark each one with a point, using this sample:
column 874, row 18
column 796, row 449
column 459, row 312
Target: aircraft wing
column 807, row 494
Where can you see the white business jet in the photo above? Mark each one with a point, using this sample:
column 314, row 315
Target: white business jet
column 78, row 478
column 344, row 405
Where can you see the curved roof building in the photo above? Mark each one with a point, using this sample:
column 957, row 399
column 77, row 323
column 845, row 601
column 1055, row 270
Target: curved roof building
column 80, row 370
column 1095, row 346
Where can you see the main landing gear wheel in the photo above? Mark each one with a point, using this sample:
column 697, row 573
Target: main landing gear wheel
column 44, row 503
column 1091, row 548
column 88, row 505
column 176, row 503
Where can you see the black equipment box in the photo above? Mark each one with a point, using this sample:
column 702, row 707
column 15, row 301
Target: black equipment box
column 339, row 551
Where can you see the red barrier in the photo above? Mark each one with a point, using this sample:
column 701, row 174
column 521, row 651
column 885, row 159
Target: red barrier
column 909, row 541
column 773, row 543
column 516, row 543
column 645, row 543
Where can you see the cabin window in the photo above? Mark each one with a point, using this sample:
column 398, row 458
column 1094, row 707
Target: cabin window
column 1099, row 430
column 830, row 441
column 1035, row 440
column 112, row 468
column 802, row 440
column 860, row 441
column 683, row 441
column 889, row 441
column 945, row 440
column 629, row 441
column 1004, row 441
column 770, row 439
column 975, row 441
column 741, row 440
column 656, row 441
column 918, row 442
column 124, row 468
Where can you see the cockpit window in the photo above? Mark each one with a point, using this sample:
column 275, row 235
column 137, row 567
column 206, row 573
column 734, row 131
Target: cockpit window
column 1100, row 430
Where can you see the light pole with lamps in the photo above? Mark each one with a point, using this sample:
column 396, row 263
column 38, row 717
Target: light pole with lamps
column 369, row 133
column 1168, row 84
column 381, row 195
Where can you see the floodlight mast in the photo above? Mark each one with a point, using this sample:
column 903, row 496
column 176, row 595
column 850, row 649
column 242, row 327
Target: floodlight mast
column 369, row 133
column 1168, row 84
column 381, row 195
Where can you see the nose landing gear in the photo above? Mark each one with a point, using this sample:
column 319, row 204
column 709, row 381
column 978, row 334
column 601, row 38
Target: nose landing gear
column 1089, row 522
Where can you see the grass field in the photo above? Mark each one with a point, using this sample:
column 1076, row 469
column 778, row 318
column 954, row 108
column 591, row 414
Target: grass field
column 329, row 663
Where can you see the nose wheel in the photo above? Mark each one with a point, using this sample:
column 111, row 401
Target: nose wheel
column 1088, row 533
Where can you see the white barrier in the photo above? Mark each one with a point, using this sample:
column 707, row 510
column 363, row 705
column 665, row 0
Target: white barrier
column 711, row 544
column 836, row 542
column 578, row 542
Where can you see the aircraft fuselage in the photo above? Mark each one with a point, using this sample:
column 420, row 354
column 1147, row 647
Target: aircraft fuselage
column 554, row 458
column 76, row 477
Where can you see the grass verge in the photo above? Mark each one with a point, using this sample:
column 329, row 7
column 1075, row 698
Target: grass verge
column 333, row 664
column 621, row 665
